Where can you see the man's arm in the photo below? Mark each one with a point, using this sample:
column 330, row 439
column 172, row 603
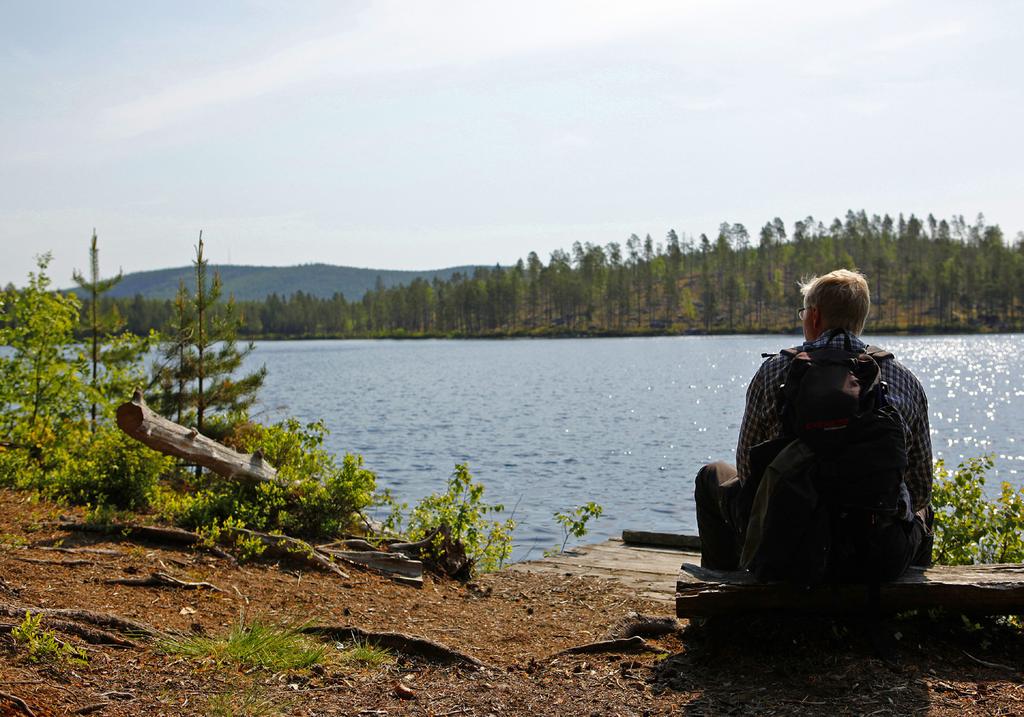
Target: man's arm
column 919, row 445
column 760, row 422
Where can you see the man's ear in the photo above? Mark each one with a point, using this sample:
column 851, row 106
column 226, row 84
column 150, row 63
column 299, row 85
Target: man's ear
column 817, row 322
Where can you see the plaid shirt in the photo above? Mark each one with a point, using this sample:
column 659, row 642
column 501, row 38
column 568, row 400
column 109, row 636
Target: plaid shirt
column 761, row 421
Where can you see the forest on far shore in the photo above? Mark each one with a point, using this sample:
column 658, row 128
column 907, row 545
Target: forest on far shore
column 927, row 275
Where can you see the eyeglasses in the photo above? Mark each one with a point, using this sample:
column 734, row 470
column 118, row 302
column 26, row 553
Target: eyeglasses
column 801, row 310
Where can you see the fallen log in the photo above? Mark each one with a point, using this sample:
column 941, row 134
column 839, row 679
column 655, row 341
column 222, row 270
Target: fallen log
column 665, row 540
column 137, row 420
column 974, row 589
column 398, row 641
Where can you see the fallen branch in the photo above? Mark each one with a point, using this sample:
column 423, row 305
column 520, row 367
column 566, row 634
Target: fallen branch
column 400, row 642
column 634, row 624
column 162, row 580
column 627, row 644
column 18, row 702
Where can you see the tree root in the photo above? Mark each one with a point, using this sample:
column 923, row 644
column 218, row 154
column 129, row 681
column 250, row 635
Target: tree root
column 440, row 552
column 62, row 563
column 8, row 588
column 162, row 580
column 293, row 549
column 19, row 703
column 627, row 644
column 91, row 551
column 157, row 534
column 276, row 546
column 634, row 624
column 71, row 621
column 400, row 642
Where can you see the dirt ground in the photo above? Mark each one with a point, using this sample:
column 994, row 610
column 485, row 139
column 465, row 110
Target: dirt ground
column 515, row 623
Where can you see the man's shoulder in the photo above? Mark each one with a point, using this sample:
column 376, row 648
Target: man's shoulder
column 896, row 373
column 773, row 366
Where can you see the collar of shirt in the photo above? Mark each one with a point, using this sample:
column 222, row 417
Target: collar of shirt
column 833, row 340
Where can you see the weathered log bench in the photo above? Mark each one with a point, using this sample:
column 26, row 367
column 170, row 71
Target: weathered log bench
column 973, row 589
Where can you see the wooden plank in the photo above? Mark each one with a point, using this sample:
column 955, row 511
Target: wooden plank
column 613, row 566
column 622, row 550
column 649, row 571
column 978, row 589
column 669, row 540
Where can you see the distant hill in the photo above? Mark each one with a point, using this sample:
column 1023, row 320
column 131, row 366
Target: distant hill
column 258, row 282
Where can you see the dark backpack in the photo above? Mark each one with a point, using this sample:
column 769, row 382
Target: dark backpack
column 822, row 496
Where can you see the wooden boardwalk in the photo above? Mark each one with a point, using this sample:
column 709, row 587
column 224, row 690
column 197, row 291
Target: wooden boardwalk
column 650, row 570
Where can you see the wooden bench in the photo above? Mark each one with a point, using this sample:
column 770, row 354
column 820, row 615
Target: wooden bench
column 977, row 589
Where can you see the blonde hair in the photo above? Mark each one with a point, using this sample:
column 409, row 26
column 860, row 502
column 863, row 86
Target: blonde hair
column 843, row 298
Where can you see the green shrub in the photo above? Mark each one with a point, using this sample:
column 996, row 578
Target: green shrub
column 41, row 383
column 488, row 543
column 110, row 469
column 43, row 645
column 970, row 529
column 313, row 497
column 574, row 522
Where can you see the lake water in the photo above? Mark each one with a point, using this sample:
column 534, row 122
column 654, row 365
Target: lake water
column 550, row 424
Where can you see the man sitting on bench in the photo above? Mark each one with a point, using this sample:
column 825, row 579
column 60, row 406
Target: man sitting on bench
column 835, row 308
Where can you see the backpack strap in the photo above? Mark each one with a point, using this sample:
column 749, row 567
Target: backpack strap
column 878, row 353
column 788, row 353
column 875, row 352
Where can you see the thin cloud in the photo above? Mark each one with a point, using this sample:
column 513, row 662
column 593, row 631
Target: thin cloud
column 393, row 37
column 898, row 42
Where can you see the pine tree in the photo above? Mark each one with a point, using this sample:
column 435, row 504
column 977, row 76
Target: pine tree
column 99, row 325
column 203, row 357
column 174, row 374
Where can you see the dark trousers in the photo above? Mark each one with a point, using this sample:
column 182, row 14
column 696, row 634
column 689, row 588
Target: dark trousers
column 719, row 520
column 722, row 523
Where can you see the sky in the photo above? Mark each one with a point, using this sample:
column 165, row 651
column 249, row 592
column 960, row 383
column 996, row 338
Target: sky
column 420, row 134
